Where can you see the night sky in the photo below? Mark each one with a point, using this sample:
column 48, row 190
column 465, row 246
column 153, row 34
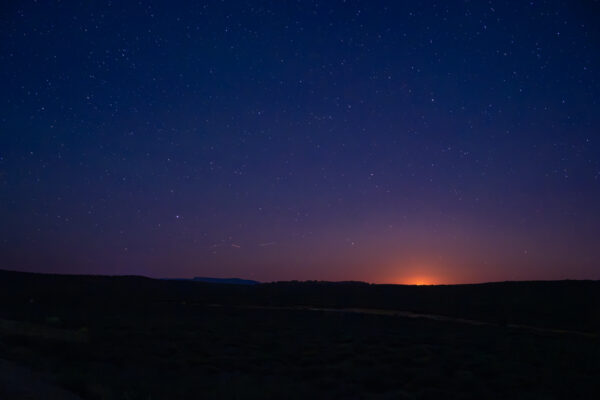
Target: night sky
column 401, row 142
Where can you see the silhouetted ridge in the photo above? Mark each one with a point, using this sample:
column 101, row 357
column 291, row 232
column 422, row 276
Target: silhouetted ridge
column 230, row 281
column 567, row 304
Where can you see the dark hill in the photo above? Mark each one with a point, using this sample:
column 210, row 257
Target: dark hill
column 568, row 304
column 230, row 281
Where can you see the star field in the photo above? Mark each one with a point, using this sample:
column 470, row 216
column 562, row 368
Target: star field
column 343, row 140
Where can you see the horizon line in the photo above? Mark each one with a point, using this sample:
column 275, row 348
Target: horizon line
column 296, row 280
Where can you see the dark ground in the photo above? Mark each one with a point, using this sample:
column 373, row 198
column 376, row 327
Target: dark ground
column 136, row 338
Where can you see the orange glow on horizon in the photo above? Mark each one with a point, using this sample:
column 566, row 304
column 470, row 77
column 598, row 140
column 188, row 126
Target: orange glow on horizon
column 418, row 272
column 419, row 281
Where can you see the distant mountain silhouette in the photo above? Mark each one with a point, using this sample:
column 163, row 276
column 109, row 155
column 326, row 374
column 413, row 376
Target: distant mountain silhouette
column 230, row 281
column 568, row 304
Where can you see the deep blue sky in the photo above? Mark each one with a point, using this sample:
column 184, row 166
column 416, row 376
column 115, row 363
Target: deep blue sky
column 382, row 141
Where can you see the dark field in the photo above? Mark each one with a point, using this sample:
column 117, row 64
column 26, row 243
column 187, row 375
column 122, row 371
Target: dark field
column 135, row 338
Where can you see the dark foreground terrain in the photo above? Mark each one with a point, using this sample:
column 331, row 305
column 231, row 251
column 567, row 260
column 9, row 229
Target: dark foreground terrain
column 69, row 337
